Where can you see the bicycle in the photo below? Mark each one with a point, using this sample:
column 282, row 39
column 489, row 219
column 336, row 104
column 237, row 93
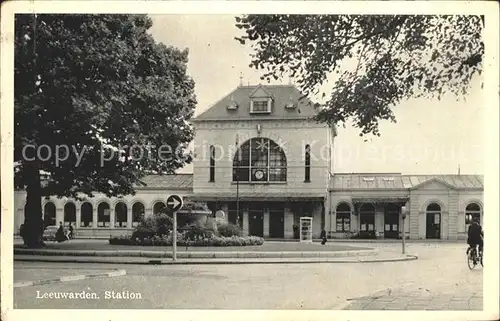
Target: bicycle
column 474, row 258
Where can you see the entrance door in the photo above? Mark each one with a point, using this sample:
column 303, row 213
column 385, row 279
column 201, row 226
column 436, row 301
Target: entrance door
column 433, row 228
column 391, row 221
column 433, row 221
column 256, row 223
column 277, row 223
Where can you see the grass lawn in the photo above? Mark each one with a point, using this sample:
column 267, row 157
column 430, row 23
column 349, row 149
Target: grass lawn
column 103, row 245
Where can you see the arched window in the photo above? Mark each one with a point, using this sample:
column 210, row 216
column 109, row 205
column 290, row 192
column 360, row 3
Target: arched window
column 87, row 215
column 367, row 218
column 259, row 160
column 472, row 211
column 433, row 207
column 212, row 163
column 69, row 214
column 103, row 215
column 120, row 215
column 343, row 217
column 158, row 207
column 49, row 214
column 307, row 155
column 137, row 213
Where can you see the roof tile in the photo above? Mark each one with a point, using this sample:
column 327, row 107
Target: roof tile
column 402, row 181
column 282, row 94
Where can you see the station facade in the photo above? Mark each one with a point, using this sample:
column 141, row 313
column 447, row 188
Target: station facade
column 263, row 160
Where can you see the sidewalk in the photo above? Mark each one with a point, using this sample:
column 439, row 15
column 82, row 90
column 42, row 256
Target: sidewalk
column 386, row 257
column 417, row 299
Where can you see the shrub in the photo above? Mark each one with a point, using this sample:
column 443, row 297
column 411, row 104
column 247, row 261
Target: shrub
column 197, row 231
column 150, row 226
column 163, row 223
column 182, row 241
column 228, row 230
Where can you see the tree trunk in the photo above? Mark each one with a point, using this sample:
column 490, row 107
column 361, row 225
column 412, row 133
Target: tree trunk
column 33, row 221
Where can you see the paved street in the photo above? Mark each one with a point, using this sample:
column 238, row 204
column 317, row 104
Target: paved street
column 440, row 269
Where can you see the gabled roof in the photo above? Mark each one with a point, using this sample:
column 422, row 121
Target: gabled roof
column 281, row 94
column 356, row 181
column 260, row 92
column 434, row 179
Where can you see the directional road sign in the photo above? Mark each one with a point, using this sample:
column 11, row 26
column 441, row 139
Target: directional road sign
column 174, row 202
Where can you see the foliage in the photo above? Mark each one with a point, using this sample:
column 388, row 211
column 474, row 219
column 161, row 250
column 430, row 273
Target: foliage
column 190, row 206
column 395, row 57
column 182, row 241
column 97, row 84
column 228, row 230
column 197, row 231
column 154, row 225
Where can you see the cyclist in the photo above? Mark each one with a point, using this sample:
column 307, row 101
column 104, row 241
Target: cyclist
column 475, row 235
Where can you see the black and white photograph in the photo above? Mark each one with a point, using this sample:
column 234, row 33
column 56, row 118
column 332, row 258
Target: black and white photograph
column 319, row 158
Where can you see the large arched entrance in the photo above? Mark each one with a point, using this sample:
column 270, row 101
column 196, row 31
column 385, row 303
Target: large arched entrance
column 103, row 215
column 121, row 215
column 433, row 221
column 49, row 214
column 69, row 214
column 472, row 212
column 137, row 213
column 87, row 215
column 158, row 207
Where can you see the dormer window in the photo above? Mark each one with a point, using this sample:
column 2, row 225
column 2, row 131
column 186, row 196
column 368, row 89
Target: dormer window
column 291, row 104
column 232, row 104
column 259, row 106
column 368, row 179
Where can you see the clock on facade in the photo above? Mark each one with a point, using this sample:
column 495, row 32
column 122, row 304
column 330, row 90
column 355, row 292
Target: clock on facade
column 259, row 175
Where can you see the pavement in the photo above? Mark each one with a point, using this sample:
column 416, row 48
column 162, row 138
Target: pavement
column 417, row 299
column 99, row 251
column 439, row 279
column 390, row 257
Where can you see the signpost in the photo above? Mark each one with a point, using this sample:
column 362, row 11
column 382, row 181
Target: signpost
column 403, row 236
column 174, row 203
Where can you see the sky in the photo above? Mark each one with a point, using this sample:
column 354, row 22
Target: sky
column 430, row 136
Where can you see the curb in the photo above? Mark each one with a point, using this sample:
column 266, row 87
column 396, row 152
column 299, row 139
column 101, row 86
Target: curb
column 70, row 278
column 199, row 255
column 216, row 262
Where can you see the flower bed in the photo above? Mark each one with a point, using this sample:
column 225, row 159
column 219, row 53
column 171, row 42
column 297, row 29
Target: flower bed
column 167, row 241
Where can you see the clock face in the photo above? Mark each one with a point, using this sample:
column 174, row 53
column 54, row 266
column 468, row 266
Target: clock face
column 259, row 174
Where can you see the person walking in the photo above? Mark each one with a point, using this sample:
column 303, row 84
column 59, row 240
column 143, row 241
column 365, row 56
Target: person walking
column 323, row 237
column 70, row 234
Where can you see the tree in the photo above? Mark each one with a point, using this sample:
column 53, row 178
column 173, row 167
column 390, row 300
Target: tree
column 394, row 58
column 107, row 101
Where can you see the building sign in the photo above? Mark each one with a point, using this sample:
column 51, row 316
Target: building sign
column 436, row 218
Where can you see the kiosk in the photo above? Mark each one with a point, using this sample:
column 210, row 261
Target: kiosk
column 306, row 229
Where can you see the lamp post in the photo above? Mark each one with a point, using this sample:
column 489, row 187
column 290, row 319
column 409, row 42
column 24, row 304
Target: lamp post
column 238, row 181
column 403, row 236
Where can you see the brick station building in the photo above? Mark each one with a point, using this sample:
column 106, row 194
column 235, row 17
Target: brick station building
column 259, row 151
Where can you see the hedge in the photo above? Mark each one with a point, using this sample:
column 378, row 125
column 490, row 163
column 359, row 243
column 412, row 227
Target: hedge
column 167, row 241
